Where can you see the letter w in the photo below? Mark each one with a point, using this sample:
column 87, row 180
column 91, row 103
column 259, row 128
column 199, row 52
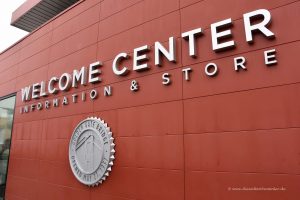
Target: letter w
column 25, row 93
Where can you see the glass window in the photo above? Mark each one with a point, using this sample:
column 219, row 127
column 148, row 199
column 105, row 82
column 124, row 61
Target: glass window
column 7, row 107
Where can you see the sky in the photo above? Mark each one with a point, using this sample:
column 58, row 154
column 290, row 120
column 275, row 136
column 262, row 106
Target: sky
column 9, row 34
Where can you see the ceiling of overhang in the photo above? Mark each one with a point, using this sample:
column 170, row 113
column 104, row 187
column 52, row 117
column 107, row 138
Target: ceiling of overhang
column 41, row 13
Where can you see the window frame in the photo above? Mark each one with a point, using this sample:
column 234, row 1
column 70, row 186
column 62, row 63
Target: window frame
column 12, row 128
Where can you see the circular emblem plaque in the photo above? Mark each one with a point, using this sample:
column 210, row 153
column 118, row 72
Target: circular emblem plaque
column 91, row 151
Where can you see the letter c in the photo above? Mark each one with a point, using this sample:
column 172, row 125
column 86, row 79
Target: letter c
column 51, row 88
column 117, row 59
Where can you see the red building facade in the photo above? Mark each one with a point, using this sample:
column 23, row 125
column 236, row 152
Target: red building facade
column 233, row 134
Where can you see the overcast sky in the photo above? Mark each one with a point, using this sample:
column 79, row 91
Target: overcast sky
column 9, row 34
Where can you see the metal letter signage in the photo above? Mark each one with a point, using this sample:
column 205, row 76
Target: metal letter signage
column 140, row 62
column 91, row 151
